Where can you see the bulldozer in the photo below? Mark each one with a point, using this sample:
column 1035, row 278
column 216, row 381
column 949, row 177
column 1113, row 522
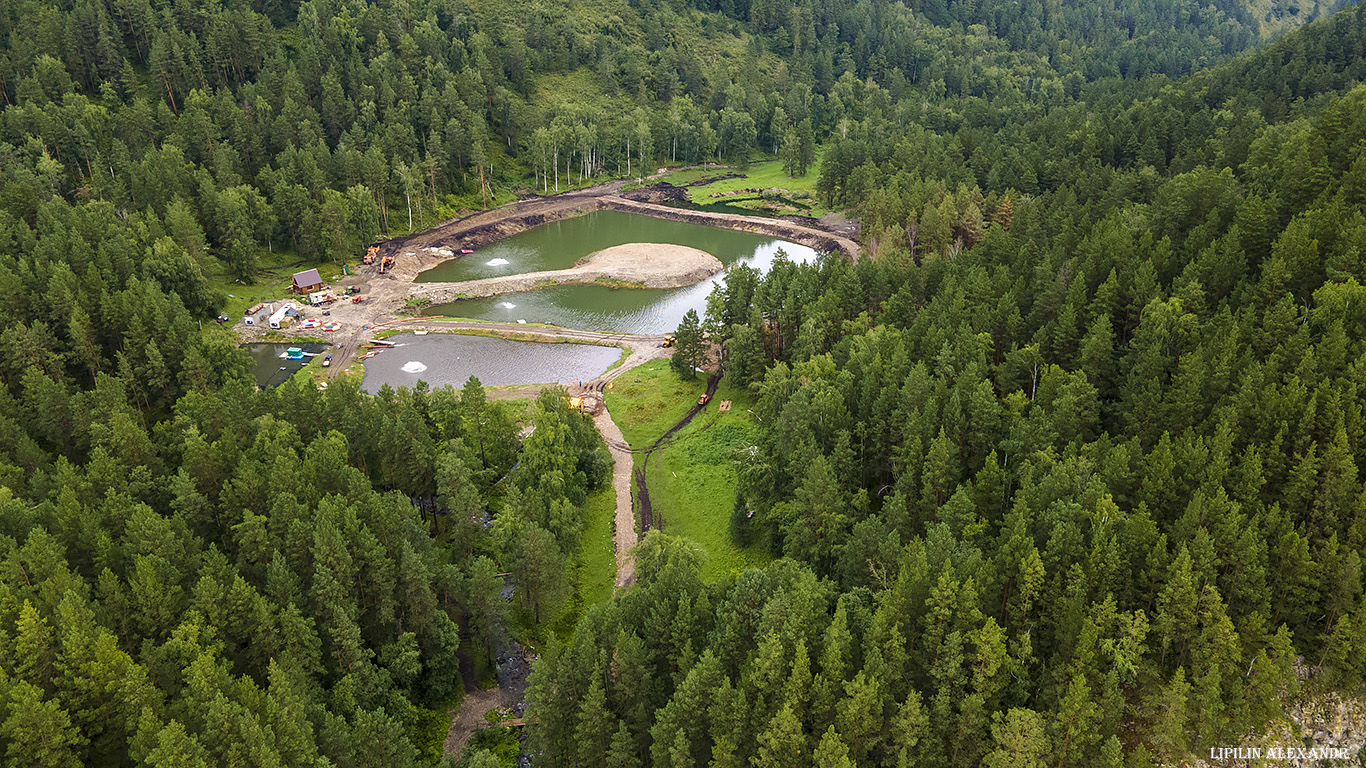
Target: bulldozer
column 668, row 341
column 371, row 253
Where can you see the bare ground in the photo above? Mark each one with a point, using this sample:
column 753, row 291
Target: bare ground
column 514, row 665
column 469, row 716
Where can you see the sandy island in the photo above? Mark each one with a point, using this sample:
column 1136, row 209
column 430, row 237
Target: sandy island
column 637, row 265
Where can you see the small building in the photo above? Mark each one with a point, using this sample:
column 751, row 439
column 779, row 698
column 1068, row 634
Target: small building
column 284, row 316
column 307, row 281
column 319, row 297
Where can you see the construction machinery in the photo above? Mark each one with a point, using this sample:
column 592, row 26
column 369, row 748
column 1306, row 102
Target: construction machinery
column 668, row 341
column 386, row 263
column 703, row 399
column 371, row 253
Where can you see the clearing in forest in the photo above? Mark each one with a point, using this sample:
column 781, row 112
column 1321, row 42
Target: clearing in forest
column 691, row 477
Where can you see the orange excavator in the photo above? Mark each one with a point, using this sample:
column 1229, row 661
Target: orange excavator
column 386, row 263
column 371, row 253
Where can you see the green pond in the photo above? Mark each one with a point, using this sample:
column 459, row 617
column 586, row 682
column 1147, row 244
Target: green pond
column 560, row 244
column 272, row 369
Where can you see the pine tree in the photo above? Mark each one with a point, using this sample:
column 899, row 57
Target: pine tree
column 39, row 731
column 622, row 751
column 690, row 352
column 831, row 752
column 593, row 732
column 781, row 743
column 1020, row 741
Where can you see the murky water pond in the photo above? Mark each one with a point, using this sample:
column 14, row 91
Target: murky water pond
column 271, row 369
column 444, row 359
column 593, row 307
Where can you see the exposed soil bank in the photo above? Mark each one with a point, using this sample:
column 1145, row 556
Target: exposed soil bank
column 644, row 265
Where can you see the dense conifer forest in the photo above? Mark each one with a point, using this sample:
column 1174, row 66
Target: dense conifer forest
column 1065, row 470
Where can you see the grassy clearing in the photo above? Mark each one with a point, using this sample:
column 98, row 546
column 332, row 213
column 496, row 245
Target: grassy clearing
column 692, row 481
column 594, row 572
column 597, row 571
column 273, row 280
column 645, row 409
column 427, row 731
column 767, row 174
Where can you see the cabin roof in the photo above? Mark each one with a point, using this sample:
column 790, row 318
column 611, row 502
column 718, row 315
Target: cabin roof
column 306, row 278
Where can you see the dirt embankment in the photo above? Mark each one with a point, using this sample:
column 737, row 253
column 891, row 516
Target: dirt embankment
column 643, row 265
column 784, row 228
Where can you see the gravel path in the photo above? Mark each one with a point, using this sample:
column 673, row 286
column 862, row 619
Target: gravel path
column 625, row 528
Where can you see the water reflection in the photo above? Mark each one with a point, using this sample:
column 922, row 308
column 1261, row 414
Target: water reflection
column 621, row 310
column 271, row 369
column 450, row 359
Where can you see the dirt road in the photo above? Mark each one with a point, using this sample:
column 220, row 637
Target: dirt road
column 624, row 529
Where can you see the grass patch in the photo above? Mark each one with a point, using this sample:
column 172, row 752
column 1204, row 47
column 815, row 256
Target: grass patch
column 597, row 570
column 454, row 319
column 765, row 175
column 692, row 481
column 502, row 742
column 274, row 277
column 613, row 282
column 646, row 409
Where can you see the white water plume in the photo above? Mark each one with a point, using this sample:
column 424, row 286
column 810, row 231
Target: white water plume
column 496, row 262
column 413, row 366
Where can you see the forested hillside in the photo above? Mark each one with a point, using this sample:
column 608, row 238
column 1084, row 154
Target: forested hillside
column 248, row 582
column 1066, row 477
column 1067, row 467
column 317, row 126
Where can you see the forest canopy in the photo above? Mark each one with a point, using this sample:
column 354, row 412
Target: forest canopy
column 1065, row 469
